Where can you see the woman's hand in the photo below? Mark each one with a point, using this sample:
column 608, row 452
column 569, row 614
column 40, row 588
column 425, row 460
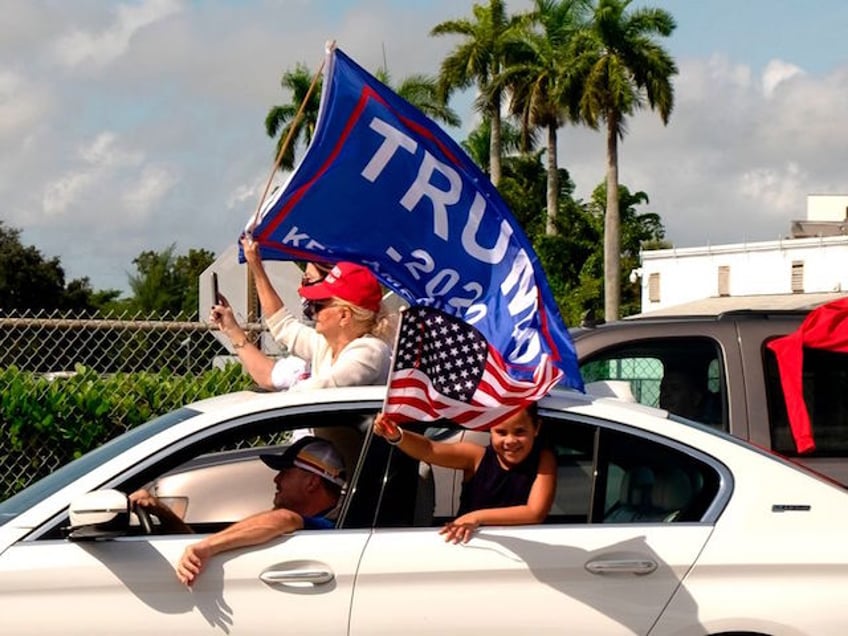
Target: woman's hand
column 460, row 529
column 222, row 315
column 251, row 252
column 386, row 428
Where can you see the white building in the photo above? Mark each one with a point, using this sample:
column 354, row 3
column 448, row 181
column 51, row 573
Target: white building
column 813, row 260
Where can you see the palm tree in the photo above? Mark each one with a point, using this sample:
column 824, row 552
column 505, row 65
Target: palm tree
column 419, row 90
column 478, row 143
column 623, row 68
column 280, row 119
column 545, row 90
column 477, row 60
column 422, row 91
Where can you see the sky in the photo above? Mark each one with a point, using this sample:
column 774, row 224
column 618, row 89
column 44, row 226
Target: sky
column 130, row 126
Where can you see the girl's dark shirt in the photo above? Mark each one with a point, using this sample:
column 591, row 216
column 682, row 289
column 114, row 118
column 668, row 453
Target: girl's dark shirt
column 493, row 487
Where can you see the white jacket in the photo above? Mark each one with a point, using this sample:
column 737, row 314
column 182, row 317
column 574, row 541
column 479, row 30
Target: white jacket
column 364, row 360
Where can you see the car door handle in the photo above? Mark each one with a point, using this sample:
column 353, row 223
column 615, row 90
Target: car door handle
column 621, row 566
column 298, row 577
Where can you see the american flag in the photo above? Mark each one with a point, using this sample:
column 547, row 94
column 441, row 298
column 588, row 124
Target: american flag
column 444, row 368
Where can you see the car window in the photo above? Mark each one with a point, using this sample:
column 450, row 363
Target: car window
column 607, row 475
column 71, row 471
column 825, row 382
column 417, row 494
column 682, row 375
column 603, row 476
column 217, row 477
column 642, row 481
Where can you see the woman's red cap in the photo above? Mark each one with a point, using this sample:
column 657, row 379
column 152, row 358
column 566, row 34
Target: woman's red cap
column 350, row 282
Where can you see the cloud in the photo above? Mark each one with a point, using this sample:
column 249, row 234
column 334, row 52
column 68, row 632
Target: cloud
column 105, row 179
column 775, row 189
column 739, row 156
column 22, row 104
column 776, row 72
column 148, row 114
column 105, row 45
column 143, row 195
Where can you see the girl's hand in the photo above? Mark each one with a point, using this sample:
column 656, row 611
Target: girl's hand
column 385, row 427
column 460, row 529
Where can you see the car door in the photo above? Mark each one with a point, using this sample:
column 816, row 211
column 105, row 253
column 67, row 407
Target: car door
column 599, row 568
column 300, row 583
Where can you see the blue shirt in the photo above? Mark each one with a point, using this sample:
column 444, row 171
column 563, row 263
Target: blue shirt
column 317, row 523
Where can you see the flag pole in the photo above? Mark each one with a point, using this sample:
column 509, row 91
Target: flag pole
column 401, row 314
column 329, row 46
column 252, row 297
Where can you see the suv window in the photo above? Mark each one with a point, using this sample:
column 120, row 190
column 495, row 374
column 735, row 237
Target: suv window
column 682, row 375
column 825, row 377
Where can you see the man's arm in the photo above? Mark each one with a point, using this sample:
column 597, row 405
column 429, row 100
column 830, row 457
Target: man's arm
column 256, row 529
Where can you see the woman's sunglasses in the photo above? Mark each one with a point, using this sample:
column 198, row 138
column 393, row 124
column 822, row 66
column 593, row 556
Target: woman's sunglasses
column 312, row 308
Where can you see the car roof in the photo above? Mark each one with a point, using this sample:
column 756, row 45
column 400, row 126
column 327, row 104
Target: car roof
column 244, row 402
column 794, row 316
column 746, row 304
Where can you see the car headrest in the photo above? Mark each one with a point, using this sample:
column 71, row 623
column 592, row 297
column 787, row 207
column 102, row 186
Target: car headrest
column 672, row 490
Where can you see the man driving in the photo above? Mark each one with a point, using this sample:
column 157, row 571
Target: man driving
column 309, row 482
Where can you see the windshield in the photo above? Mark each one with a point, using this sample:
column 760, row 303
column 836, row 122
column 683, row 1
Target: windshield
column 55, row 481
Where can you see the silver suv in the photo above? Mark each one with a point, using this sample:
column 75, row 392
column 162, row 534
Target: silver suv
column 738, row 387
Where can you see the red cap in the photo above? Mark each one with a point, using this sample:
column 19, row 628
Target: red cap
column 350, row 282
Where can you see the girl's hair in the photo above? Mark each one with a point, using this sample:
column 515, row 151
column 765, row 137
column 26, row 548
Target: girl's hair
column 533, row 411
column 379, row 324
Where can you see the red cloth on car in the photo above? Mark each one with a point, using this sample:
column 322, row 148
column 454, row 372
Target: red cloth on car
column 824, row 328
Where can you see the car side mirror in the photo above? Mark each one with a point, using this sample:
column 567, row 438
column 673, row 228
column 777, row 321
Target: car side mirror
column 100, row 514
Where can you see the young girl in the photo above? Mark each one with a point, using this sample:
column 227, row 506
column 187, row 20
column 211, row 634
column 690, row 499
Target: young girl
column 510, row 482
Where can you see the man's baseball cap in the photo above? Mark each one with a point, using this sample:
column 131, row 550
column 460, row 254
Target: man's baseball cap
column 348, row 281
column 311, row 454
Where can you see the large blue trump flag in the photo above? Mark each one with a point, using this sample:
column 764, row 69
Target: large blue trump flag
column 383, row 186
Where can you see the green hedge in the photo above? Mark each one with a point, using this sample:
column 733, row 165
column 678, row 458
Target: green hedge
column 53, row 421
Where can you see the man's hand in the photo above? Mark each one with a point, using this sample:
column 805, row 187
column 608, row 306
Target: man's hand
column 144, row 499
column 168, row 519
column 192, row 562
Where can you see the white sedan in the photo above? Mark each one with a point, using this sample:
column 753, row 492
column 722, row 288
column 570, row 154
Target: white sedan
column 659, row 527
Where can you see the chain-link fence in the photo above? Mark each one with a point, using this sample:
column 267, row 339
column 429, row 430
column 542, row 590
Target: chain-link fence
column 51, row 362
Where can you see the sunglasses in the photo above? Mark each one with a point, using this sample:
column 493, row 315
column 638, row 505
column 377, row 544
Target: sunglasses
column 306, row 281
column 312, row 308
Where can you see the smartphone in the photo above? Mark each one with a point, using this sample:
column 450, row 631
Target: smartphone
column 216, row 295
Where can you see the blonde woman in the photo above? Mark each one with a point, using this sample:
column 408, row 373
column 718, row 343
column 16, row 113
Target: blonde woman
column 348, row 344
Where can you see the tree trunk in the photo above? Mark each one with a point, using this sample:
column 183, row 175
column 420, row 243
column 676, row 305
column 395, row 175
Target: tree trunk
column 612, row 228
column 553, row 181
column 495, row 142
